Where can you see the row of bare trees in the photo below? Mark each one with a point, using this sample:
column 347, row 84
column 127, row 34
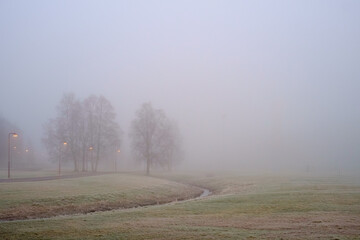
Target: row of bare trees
column 83, row 132
column 155, row 139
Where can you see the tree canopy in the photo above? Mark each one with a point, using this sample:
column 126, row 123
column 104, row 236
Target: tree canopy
column 85, row 126
column 155, row 139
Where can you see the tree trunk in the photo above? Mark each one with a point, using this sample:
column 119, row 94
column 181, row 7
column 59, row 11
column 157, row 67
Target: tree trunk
column 75, row 165
column 83, row 159
column 169, row 166
column 97, row 159
column 148, row 166
column 92, row 162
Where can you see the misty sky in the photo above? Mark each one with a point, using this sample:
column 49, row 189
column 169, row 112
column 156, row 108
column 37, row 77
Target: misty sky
column 252, row 84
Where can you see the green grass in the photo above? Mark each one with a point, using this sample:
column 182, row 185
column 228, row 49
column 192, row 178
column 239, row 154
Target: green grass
column 86, row 194
column 34, row 173
column 245, row 208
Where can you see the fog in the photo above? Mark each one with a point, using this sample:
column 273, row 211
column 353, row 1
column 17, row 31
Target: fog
column 255, row 86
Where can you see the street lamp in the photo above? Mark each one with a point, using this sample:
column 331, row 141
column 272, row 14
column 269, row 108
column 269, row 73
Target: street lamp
column 118, row 151
column 9, row 158
column 64, row 144
column 91, row 158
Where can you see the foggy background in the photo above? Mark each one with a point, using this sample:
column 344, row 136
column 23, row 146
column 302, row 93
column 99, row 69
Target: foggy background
column 263, row 86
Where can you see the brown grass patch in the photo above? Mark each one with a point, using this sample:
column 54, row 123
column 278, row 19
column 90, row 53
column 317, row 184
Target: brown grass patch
column 33, row 211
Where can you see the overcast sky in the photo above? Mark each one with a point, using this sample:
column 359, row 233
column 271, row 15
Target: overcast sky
column 261, row 84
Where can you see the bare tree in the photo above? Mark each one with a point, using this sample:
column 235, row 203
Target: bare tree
column 83, row 125
column 102, row 130
column 83, row 136
column 170, row 145
column 89, row 111
column 69, row 121
column 153, row 137
column 53, row 139
column 142, row 134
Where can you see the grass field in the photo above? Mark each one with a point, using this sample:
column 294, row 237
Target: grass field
column 26, row 174
column 241, row 207
column 17, row 174
column 22, row 200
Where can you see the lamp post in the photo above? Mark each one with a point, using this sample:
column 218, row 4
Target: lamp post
column 9, row 158
column 64, row 144
column 91, row 157
column 118, row 155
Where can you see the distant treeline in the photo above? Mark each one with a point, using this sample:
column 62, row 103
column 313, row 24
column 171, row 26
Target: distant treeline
column 22, row 154
column 85, row 133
